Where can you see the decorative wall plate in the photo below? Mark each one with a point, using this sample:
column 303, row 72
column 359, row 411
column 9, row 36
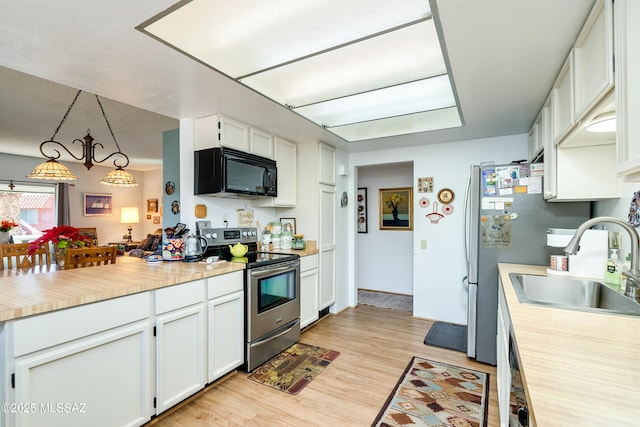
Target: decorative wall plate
column 446, row 196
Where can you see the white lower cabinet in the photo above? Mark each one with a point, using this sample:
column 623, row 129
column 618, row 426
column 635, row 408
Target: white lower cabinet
column 99, row 364
column 181, row 347
column 225, row 324
column 308, row 290
column 88, row 370
column 503, row 371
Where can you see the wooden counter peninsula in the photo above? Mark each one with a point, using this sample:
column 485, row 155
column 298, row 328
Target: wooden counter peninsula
column 579, row 368
column 115, row 344
column 27, row 294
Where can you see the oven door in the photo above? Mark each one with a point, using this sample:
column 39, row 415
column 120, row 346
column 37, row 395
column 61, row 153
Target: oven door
column 273, row 297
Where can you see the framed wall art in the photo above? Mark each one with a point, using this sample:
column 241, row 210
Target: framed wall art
column 288, row 224
column 361, row 208
column 98, row 204
column 152, row 205
column 396, row 208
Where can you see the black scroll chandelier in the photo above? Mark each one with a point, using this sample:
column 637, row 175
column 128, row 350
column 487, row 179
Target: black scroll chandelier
column 55, row 171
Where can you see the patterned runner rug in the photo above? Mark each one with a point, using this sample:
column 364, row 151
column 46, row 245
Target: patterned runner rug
column 437, row 394
column 294, row 368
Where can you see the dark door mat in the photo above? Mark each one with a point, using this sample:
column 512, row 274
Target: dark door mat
column 447, row 335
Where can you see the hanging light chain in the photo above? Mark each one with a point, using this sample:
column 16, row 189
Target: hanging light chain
column 108, row 124
column 67, row 113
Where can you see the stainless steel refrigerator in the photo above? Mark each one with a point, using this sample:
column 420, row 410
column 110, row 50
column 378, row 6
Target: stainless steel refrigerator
column 507, row 220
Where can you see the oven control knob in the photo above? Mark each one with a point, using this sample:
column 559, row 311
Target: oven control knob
column 253, row 233
column 207, row 235
column 214, row 236
column 244, row 234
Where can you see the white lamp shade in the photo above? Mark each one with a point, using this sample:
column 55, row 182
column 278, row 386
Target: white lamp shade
column 129, row 215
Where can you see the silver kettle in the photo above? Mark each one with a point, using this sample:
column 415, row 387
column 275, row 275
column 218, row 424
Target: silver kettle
column 194, row 248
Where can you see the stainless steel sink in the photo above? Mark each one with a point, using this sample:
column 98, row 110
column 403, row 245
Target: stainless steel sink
column 573, row 294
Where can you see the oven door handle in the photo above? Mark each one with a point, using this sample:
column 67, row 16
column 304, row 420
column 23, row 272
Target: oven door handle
column 271, row 270
column 278, row 335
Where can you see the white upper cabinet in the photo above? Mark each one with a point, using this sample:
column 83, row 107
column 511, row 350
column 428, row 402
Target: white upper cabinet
column 535, row 139
column 593, row 59
column 261, row 143
column 549, row 149
column 562, row 99
column 627, row 17
column 285, row 157
column 327, row 167
column 216, row 130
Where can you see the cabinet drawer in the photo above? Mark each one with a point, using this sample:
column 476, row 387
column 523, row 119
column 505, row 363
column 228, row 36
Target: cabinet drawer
column 49, row 329
column 178, row 296
column 308, row 262
column 225, row 284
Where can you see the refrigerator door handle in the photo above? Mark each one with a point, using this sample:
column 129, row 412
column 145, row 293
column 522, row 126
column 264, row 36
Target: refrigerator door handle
column 471, row 320
column 473, row 223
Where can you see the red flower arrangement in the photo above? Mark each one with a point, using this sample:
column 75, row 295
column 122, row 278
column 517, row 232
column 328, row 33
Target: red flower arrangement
column 63, row 237
column 7, row 224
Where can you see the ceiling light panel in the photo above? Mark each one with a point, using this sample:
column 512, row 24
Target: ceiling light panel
column 401, row 56
column 411, row 123
column 241, row 37
column 422, row 95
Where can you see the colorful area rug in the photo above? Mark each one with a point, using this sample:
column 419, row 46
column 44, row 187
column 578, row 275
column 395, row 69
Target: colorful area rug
column 436, row 394
column 293, row 369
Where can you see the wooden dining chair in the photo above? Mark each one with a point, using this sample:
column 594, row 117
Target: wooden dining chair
column 87, row 257
column 17, row 255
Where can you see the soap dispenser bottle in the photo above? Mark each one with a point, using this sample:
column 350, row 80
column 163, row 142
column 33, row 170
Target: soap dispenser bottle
column 613, row 271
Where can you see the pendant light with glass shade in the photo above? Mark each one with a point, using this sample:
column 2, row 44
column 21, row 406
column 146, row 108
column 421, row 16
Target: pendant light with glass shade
column 55, row 171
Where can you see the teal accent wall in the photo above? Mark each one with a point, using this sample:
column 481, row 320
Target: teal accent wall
column 170, row 174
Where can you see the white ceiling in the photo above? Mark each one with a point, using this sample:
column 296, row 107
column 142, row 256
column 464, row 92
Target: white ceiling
column 504, row 56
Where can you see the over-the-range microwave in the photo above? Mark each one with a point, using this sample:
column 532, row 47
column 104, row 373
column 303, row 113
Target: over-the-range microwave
column 223, row 171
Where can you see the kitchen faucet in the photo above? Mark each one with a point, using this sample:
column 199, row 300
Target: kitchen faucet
column 633, row 275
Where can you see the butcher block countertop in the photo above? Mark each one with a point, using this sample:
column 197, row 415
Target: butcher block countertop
column 27, row 294
column 579, row 368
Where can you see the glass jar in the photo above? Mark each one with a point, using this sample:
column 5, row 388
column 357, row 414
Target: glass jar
column 298, row 242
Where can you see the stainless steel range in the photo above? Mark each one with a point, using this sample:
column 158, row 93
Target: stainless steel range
column 272, row 292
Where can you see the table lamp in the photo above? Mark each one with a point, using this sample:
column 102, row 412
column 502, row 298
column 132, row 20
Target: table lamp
column 129, row 215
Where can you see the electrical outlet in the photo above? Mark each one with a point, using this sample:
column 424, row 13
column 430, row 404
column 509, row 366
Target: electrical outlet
column 423, row 244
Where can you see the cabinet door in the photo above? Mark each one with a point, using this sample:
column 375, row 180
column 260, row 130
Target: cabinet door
column 286, row 161
column 181, row 354
column 226, row 334
column 287, row 172
column 562, row 98
column 103, row 380
column 308, row 296
column 534, row 141
column 206, row 133
column 593, row 59
column 327, row 246
column 233, row 134
column 546, row 136
column 627, row 16
column 503, row 371
column 261, row 143
column 327, row 166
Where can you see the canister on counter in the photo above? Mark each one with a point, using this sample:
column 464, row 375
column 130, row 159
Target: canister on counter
column 286, row 238
column 276, row 240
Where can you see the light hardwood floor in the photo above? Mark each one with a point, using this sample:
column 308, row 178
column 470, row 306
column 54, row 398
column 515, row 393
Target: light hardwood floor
column 375, row 346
